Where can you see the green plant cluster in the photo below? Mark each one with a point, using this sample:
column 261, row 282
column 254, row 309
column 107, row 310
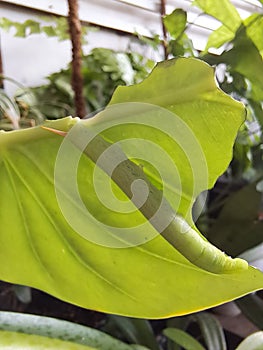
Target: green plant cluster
column 103, row 70
column 51, row 26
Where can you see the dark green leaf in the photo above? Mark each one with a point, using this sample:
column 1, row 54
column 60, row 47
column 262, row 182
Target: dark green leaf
column 175, row 23
column 239, row 59
column 237, row 228
column 212, row 331
column 135, row 331
column 252, row 307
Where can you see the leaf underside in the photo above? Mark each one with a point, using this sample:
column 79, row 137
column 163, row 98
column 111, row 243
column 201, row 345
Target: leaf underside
column 38, row 246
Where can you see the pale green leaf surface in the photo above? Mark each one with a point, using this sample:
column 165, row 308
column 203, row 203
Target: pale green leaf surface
column 223, row 10
column 254, row 29
column 219, row 37
column 194, row 97
column 20, row 341
column 182, row 338
column 39, row 248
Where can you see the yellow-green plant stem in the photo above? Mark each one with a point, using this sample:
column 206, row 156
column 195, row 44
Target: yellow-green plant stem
column 178, row 232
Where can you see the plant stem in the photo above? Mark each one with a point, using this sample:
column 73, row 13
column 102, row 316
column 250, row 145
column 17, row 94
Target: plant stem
column 163, row 13
column 77, row 78
column 172, row 226
column 1, row 69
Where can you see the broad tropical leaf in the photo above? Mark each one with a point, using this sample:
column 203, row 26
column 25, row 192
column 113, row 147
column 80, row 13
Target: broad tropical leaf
column 63, row 231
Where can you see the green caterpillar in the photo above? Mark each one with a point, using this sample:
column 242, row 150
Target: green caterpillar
column 178, row 233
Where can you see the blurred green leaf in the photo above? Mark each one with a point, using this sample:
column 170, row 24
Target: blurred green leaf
column 219, row 37
column 32, row 26
column 21, row 341
column 49, row 31
column 135, row 331
column 180, row 322
column 211, row 330
column 237, row 228
column 153, row 41
column 175, row 23
column 252, row 307
column 183, row 339
column 254, row 29
column 182, row 46
column 239, row 59
column 57, row 329
column 103, row 70
column 5, row 23
column 223, row 10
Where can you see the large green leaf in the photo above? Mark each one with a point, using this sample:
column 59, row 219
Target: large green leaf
column 77, row 256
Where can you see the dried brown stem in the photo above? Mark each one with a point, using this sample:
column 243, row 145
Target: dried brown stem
column 1, row 69
column 77, row 78
column 163, row 13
